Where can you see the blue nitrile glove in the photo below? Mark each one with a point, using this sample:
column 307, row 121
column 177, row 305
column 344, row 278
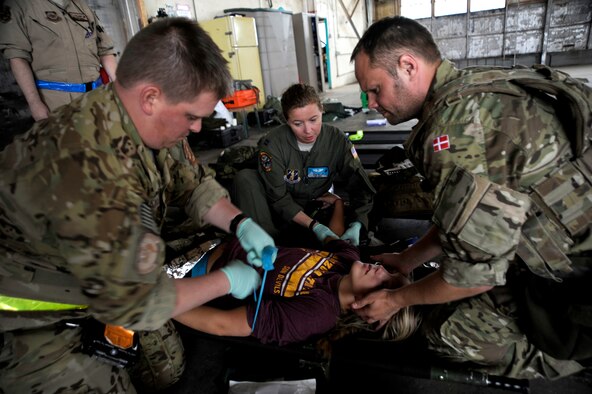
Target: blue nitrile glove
column 352, row 234
column 254, row 239
column 322, row 232
column 243, row 278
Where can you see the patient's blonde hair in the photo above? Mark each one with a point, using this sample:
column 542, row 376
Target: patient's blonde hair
column 401, row 326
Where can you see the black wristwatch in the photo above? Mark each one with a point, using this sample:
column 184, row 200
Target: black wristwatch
column 312, row 224
column 235, row 221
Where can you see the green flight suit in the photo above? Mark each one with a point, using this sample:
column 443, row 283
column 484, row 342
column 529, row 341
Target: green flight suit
column 290, row 178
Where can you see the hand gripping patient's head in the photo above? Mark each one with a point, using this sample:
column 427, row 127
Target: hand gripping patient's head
column 363, row 279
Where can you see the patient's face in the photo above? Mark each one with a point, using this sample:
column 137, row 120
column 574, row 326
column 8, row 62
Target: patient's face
column 368, row 277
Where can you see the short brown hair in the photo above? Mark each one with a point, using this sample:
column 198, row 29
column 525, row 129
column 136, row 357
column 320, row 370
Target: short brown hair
column 177, row 55
column 388, row 38
column 299, row 95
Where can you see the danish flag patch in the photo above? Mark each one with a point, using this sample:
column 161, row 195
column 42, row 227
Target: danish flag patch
column 441, row 143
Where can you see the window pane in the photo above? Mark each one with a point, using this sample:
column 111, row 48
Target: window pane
column 416, row 9
column 481, row 5
column 450, row 7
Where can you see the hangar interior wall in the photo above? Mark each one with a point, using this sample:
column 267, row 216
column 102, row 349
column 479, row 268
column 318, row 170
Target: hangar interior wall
column 554, row 32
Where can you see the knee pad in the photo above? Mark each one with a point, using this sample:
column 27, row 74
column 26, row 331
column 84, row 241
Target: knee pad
column 162, row 359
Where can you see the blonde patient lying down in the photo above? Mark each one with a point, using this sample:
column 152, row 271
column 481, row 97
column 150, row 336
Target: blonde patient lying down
column 306, row 294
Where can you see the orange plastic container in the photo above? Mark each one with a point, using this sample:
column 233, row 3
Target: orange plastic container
column 241, row 98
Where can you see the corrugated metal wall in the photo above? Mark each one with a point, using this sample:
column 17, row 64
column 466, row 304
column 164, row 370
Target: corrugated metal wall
column 527, row 31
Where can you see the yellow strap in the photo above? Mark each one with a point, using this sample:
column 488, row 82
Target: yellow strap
column 23, row 304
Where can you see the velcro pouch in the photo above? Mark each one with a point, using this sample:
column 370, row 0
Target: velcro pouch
column 562, row 211
column 483, row 219
column 567, row 194
column 543, row 247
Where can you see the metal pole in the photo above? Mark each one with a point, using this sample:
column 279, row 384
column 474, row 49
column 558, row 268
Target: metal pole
column 546, row 31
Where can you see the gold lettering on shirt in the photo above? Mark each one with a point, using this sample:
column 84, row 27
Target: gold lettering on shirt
column 301, row 278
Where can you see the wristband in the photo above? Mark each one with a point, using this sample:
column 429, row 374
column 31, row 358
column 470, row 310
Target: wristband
column 312, row 224
column 235, row 221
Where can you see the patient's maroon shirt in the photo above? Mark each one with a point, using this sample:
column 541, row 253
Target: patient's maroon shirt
column 300, row 294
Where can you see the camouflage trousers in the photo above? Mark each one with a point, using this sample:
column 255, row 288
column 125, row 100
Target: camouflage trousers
column 483, row 330
column 49, row 360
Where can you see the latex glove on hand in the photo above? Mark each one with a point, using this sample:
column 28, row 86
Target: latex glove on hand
column 244, row 280
column 322, row 232
column 254, row 239
column 352, row 234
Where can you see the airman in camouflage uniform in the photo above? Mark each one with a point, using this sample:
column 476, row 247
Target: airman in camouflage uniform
column 480, row 153
column 83, row 198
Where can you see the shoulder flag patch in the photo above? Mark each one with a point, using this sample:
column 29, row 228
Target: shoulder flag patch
column 441, row 143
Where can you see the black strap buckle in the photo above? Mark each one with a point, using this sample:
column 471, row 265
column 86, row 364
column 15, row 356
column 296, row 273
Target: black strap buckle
column 88, row 86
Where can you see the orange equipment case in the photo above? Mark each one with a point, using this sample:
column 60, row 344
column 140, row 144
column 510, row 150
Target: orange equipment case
column 241, row 98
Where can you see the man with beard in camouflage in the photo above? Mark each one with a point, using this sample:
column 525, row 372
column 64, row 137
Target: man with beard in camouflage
column 490, row 159
column 83, row 198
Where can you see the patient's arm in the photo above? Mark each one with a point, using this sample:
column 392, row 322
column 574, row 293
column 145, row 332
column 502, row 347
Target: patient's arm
column 337, row 222
column 215, row 321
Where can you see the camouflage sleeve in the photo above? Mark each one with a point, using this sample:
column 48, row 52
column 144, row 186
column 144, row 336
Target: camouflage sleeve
column 14, row 42
column 98, row 228
column 480, row 224
column 194, row 185
column 84, row 191
column 504, row 139
column 204, row 196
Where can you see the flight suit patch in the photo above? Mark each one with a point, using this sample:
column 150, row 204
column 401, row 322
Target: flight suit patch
column 292, row 176
column 265, row 161
column 317, row 172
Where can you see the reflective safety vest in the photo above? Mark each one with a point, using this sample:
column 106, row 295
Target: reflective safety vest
column 15, row 304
